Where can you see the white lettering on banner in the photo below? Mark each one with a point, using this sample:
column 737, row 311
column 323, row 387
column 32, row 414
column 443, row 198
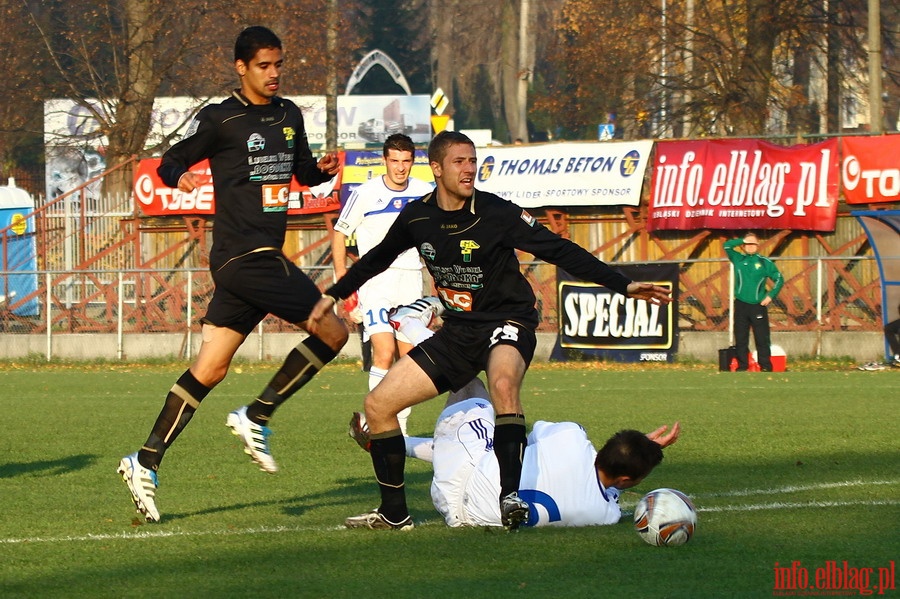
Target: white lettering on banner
column 172, row 200
column 597, row 315
column 745, row 182
column 887, row 180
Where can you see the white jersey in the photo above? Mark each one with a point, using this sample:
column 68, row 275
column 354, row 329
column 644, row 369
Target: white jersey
column 371, row 210
column 558, row 481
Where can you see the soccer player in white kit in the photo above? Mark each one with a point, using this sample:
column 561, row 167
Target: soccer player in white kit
column 565, row 480
column 369, row 212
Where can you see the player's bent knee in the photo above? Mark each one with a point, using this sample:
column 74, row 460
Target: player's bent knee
column 333, row 332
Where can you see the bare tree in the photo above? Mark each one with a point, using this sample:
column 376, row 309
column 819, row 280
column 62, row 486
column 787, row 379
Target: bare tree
column 723, row 67
column 112, row 58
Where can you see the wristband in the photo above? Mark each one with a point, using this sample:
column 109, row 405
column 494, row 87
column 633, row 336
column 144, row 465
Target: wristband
column 332, row 298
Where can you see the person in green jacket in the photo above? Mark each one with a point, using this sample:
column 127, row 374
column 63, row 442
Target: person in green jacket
column 752, row 298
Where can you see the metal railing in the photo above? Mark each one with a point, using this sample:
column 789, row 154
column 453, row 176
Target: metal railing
column 820, row 293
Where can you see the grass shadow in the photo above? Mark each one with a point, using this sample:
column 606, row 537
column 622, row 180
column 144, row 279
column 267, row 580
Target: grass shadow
column 48, row 467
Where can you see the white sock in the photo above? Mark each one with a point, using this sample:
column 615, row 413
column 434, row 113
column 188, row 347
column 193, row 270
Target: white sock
column 403, row 417
column 421, row 448
column 375, row 376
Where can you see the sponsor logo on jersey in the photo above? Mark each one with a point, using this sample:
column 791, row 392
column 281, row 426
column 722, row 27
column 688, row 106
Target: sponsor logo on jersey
column 487, row 167
column 256, row 142
column 275, row 198
column 461, row 301
column 289, row 136
column 467, row 246
column 529, row 220
column 427, row 250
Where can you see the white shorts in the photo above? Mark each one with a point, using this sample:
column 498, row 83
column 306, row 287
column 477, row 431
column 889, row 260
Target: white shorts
column 462, row 489
column 394, row 287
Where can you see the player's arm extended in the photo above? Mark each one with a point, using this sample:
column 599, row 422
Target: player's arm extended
column 664, row 439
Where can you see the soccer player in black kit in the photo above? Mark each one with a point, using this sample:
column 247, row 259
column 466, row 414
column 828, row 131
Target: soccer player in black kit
column 468, row 240
column 255, row 142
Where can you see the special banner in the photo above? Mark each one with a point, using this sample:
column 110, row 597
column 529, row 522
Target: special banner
column 155, row 198
column 869, row 172
column 595, row 322
column 565, row 174
column 743, row 184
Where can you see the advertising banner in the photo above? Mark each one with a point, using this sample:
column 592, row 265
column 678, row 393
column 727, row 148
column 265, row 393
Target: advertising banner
column 869, row 169
column 595, row 322
column 565, row 174
column 155, row 198
column 75, row 144
column 743, row 184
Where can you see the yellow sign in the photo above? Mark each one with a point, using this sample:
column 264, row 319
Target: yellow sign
column 365, row 168
column 439, row 102
column 18, row 224
column 439, row 122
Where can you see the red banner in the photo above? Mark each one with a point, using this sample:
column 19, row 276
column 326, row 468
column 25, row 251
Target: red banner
column 743, row 184
column 869, row 172
column 155, row 198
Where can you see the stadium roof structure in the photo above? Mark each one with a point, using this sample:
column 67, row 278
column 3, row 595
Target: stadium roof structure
column 883, row 230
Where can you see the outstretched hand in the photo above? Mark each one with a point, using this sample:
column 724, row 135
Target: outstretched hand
column 654, row 294
column 663, row 439
column 329, row 164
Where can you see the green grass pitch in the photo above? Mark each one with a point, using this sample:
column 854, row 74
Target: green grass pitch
column 799, row 469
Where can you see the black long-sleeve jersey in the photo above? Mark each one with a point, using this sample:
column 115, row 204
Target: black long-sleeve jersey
column 254, row 150
column 470, row 253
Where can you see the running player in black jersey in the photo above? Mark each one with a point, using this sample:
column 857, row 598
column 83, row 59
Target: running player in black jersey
column 468, row 240
column 255, row 142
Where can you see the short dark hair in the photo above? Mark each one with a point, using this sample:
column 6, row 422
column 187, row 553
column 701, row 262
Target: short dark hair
column 251, row 40
column 399, row 142
column 441, row 142
column 628, row 453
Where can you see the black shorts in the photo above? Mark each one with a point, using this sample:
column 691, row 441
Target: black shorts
column 458, row 352
column 256, row 284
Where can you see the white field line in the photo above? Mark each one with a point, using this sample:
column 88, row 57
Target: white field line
column 149, row 533
column 163, row 534
column 796, row 488
column 779, row 505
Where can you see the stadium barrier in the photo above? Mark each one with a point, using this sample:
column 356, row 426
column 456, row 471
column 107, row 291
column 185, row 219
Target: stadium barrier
column 830, row 306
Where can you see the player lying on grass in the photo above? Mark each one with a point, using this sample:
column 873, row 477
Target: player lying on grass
column 565, row 481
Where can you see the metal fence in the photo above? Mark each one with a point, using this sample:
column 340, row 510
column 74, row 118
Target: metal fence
column 824, row 293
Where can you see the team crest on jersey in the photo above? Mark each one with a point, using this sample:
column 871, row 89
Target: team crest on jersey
column 256, row 142
column 427, row 250
column 529, row 220
column 289, row 136
column 398, row 203
column 467, row 246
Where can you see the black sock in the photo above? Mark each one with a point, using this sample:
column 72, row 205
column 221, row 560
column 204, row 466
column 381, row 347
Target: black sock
column 510, row 439
column 182, row 401
column 388, row 453
column 301, row 364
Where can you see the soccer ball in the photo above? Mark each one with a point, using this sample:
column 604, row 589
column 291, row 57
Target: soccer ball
column 665, row 517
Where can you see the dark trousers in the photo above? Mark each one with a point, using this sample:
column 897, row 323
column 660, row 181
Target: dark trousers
column 892, row 332
column 756, row 317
